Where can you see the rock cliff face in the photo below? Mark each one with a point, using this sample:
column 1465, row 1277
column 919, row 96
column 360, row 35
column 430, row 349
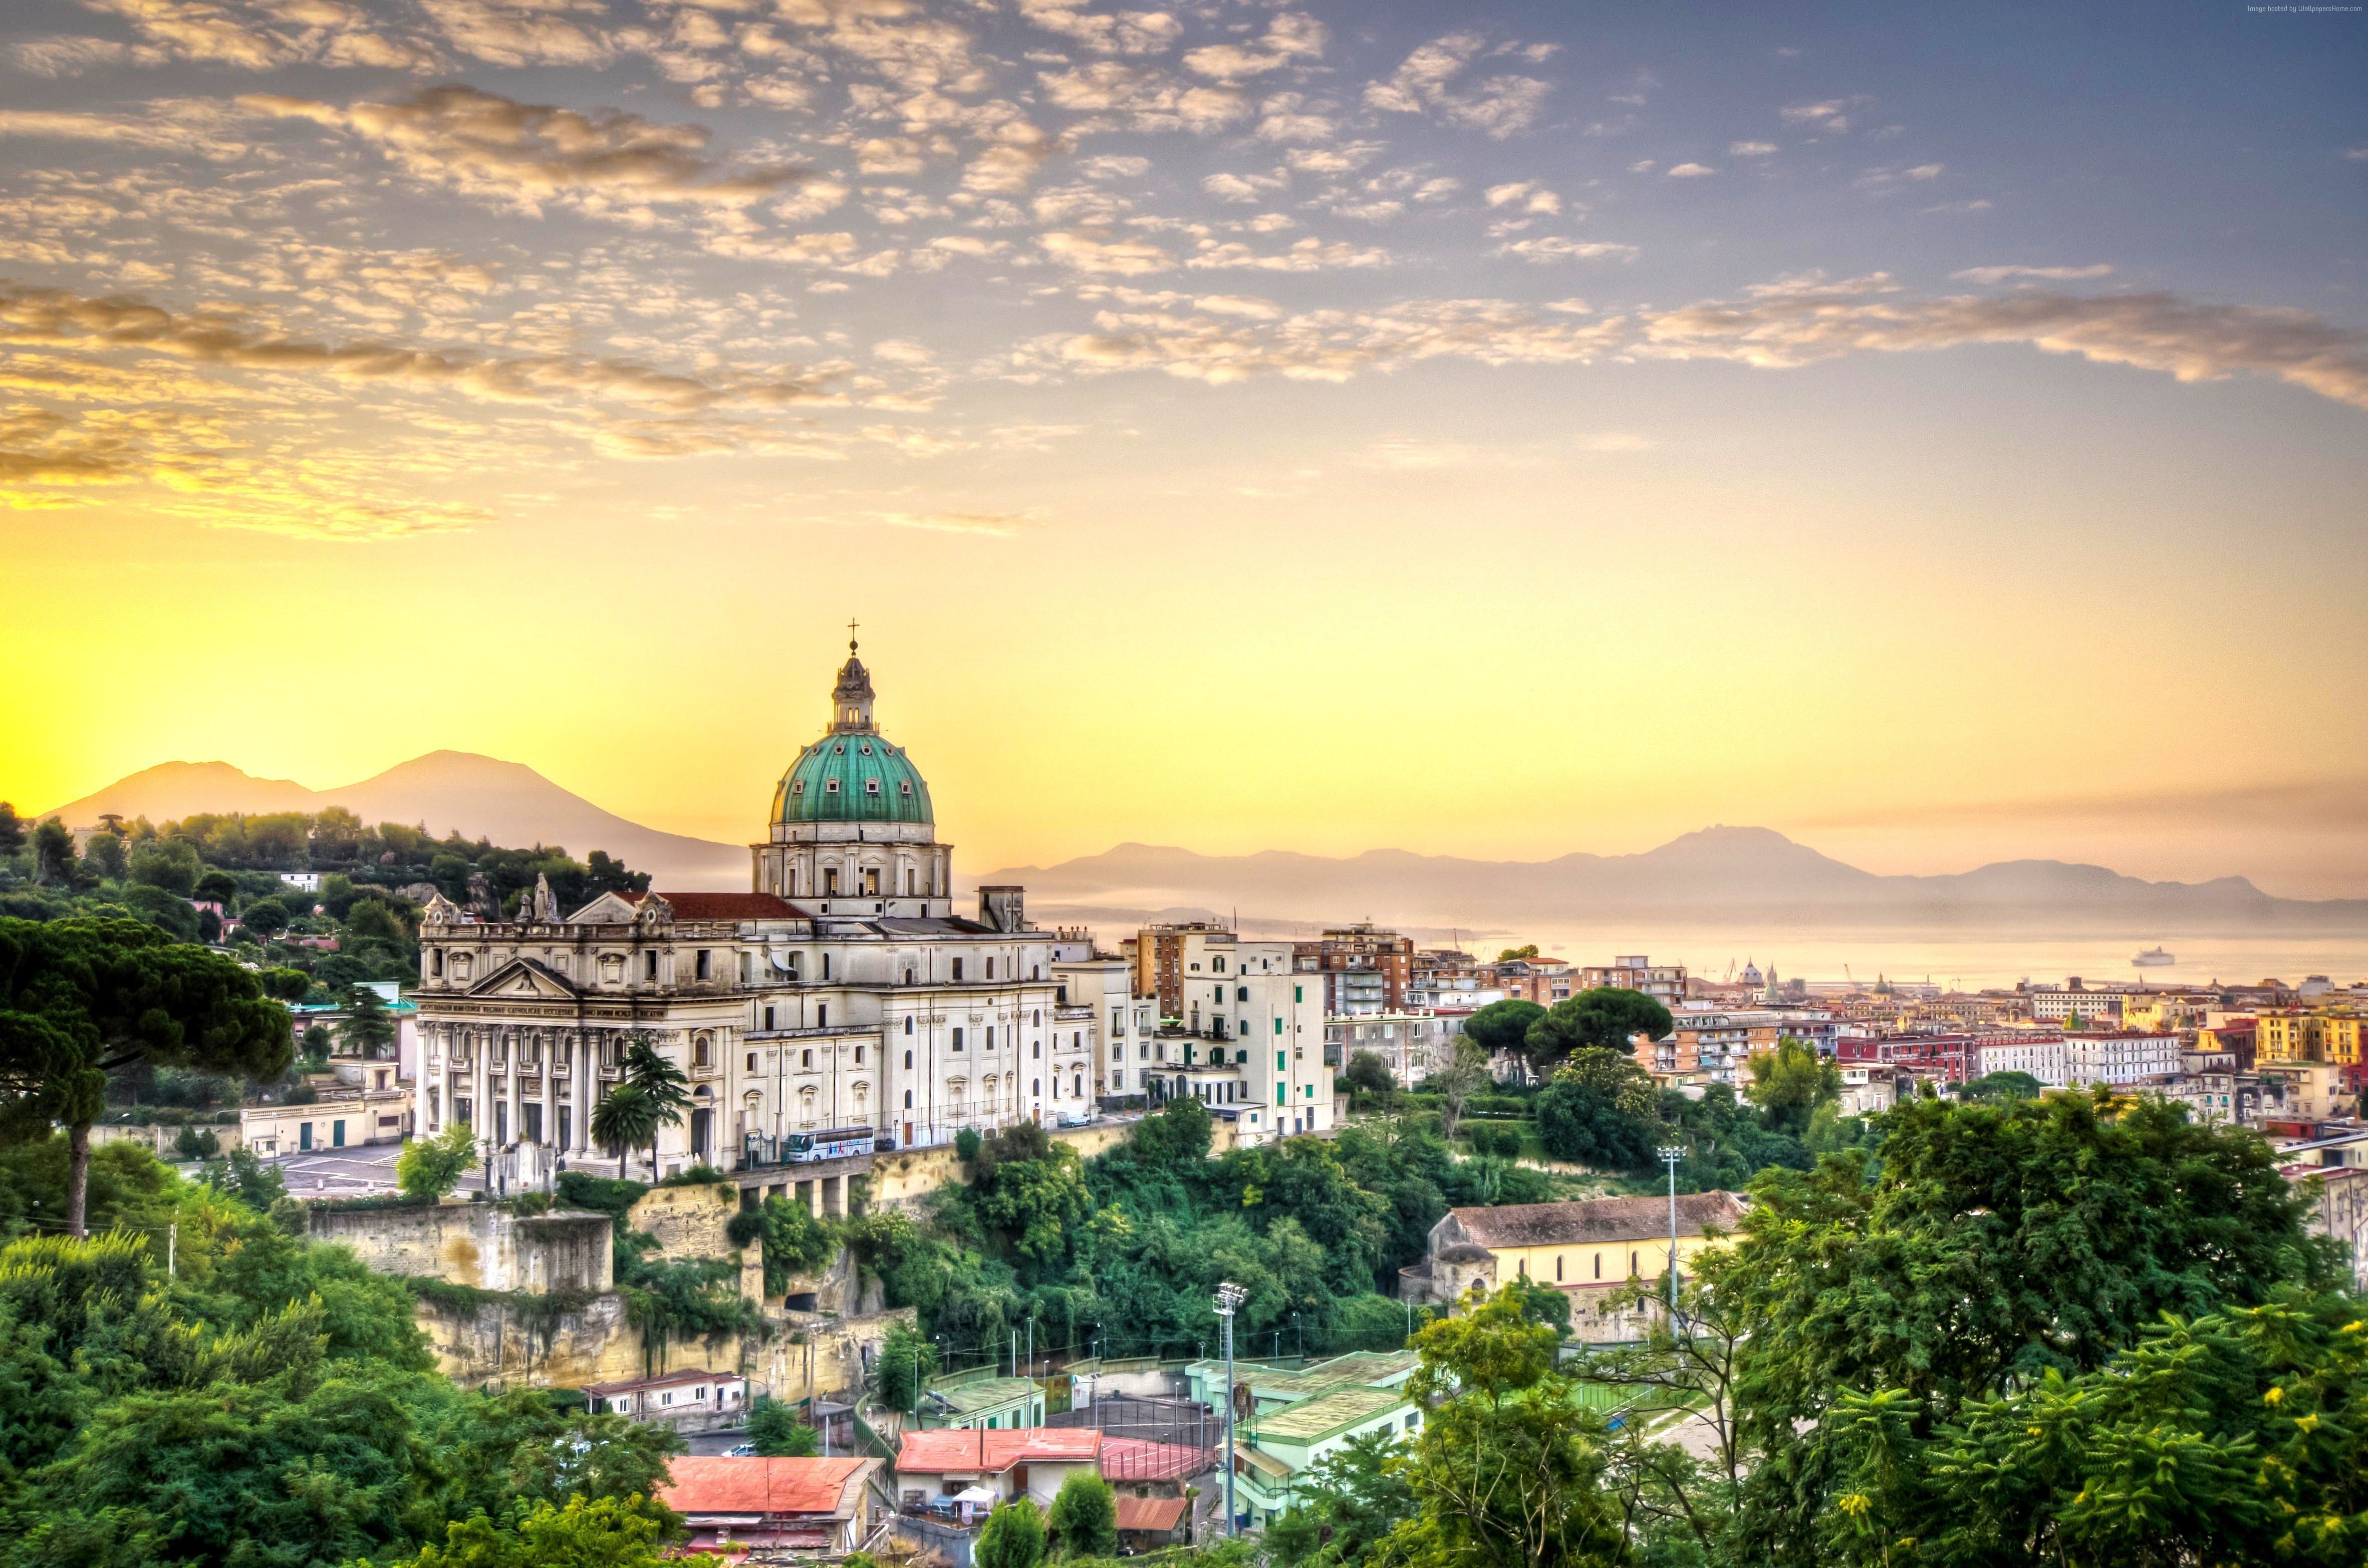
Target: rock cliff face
column 479, row 1245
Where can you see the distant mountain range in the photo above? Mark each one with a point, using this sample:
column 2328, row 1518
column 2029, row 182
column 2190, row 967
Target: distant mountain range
column 478, row 796
column 1720, row 875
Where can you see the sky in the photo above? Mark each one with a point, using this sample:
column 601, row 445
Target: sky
column 1487, row 430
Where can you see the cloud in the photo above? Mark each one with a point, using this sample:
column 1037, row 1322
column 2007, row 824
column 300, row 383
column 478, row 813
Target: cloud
column 1341, row 158
column 1690, row 170
column 1244, row 188
column 1128, row 32
column 1309, row 254
column 998, row 525
column 1751, row 148
column 1426, row 82
column 1829, row 116
column 2049, row 274
column 1142, row 99
column 1550, row 248
column 522, row 156
column 165, row 125
column 1807, row 321
column 1524, row 196
column 1112, row 166
column 1894, row 178
column 1123, row 259
column 1322, row 346
column 1289, row 37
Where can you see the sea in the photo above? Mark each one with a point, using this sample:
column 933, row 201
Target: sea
column 1959, row 959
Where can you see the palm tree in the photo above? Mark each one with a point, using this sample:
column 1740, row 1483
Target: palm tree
column 659, row 1082
column 624, row 1118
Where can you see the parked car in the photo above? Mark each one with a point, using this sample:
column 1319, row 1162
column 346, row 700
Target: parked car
column 745, row 1451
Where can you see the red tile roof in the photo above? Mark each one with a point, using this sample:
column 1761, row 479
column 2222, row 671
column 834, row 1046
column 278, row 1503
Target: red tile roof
column 719, row 1483
column 962, row 1450
column 721, row 905
column 1151, row 1513
column 1138, row 1459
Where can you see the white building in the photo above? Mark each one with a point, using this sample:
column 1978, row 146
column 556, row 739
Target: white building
column 1251, row 1040
column 2056, row 1004
column 843, row 995
column 2119, row 1059
column 1412, row 1041
column 2041, row 1056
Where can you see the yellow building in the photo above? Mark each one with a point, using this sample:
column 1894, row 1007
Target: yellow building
column 1581, row 1247
column 2294, row 1036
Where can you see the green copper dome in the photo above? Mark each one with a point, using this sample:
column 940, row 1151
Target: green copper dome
column 851, row 775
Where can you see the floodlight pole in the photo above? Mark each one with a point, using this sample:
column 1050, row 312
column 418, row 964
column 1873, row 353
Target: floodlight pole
column 1229, row 1296
column 1670, row 1154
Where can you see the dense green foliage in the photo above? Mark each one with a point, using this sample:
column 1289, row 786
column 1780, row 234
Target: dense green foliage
column 427, row 1168
column 1605, row 1018
column 1123, row 1251
column 1083, row 1520
column 271, row 1402
column 1012, row 1537
column 775, row 1431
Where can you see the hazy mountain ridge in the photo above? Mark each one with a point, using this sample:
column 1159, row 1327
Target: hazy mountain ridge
column 478, row 796
column 1718, row 874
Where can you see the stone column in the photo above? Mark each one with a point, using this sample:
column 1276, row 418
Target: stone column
column 510, row 1083
column 585, row 1074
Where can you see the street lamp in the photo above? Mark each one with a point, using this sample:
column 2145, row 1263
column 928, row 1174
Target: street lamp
column 1230, row 1296
column 1670, row 1154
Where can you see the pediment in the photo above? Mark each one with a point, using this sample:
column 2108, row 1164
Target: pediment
column 524, row 978
column 607, row 909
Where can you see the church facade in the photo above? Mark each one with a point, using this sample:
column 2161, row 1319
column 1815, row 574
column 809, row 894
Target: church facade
column 841, row 995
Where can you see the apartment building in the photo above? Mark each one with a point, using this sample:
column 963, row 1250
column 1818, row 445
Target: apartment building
column 1157, row 952
column 1666, row 984
column 2121, row 1058
column 2056, row 1004
column 2040, row 1055
column 1410, row 1042
column 1363, row 969
column 1248, row 1040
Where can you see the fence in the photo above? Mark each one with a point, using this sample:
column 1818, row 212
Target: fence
column 1150, row 1439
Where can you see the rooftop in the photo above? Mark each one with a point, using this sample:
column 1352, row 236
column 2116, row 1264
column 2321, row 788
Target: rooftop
column 719, row 1483
column 1313, row 1420
column 721, row 905
column 664, row 1381
column 1604, row 1220
column 1151, row 1513
column 979, row 1393
column 965, row 1451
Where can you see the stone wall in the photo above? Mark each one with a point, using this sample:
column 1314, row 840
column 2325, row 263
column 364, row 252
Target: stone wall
column 478, row 1244
column 688, row 1221
column 901, row 1179
column 820, row 1356
column 495, row 1341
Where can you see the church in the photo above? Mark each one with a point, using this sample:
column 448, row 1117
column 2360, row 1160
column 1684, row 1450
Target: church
column 841, row 1000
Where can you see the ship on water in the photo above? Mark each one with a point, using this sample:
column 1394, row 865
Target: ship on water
column 2153, row 958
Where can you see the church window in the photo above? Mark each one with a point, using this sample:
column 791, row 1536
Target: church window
column 858, row 1056
column 990, row 969
column 908, row 1094
column 825, row 966
column 830, row 787
column 908, row 1062
column 1036, row 1049
column 872, row 786
column 1037, row 1017
column 821, row 1015
column 797, row 787
column 650, row 964
column 1035, row 1085
column 958, row 1037
column 768, row 1018
column 958, row 963
column 841, row 749
column 752, row 1062
column 701, row 1045
column 909, row 786
column 805, row 1057
column 867, row 748
column 909, row 1030
column 1218, row 964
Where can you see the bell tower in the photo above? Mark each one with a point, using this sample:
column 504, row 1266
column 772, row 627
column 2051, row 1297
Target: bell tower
column 851, row 698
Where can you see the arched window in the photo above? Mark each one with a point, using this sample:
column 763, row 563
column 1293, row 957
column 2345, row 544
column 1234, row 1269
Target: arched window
column 908, row 1061
column 1036, row 1049
column 908, row 1094
column 700, row 1047
column 1036, row 1086
column 1038, row 1017
column 909, row 1030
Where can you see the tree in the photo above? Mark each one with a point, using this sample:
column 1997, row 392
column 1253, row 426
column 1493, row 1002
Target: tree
column 1607, row 1018
column 602, row 1532
column 1688, row 1366
column 103, row 854
column 197, row 1143
column 1507, row 1469
column 2238, row 1436
column 603, row 874
column 1991, row 1246
column 267, row 917
column 661, row 1084
column 1084, row 1517
column 1358, row 1494
column 168, row 863
column 2002, row 1086
column 54, row 863
column 1462, row 1074
column 1501, row 1028
column 1790, row 1083
column 367, row 1031
column 81, row 997
column 775, row 1433
column 1014, row 1537
column 168, row 912
column 1527, row 950
column 427, row 1168
column 1368, row 1074
column 216, row 887
column 908, row 1361
column 1598, row 1110
column 12, row 829
column 625, row 1119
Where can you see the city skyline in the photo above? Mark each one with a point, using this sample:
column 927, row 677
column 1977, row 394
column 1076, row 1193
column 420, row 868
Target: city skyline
column 1239, row 426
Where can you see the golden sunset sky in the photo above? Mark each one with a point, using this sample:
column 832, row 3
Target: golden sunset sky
column 1238, row 427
